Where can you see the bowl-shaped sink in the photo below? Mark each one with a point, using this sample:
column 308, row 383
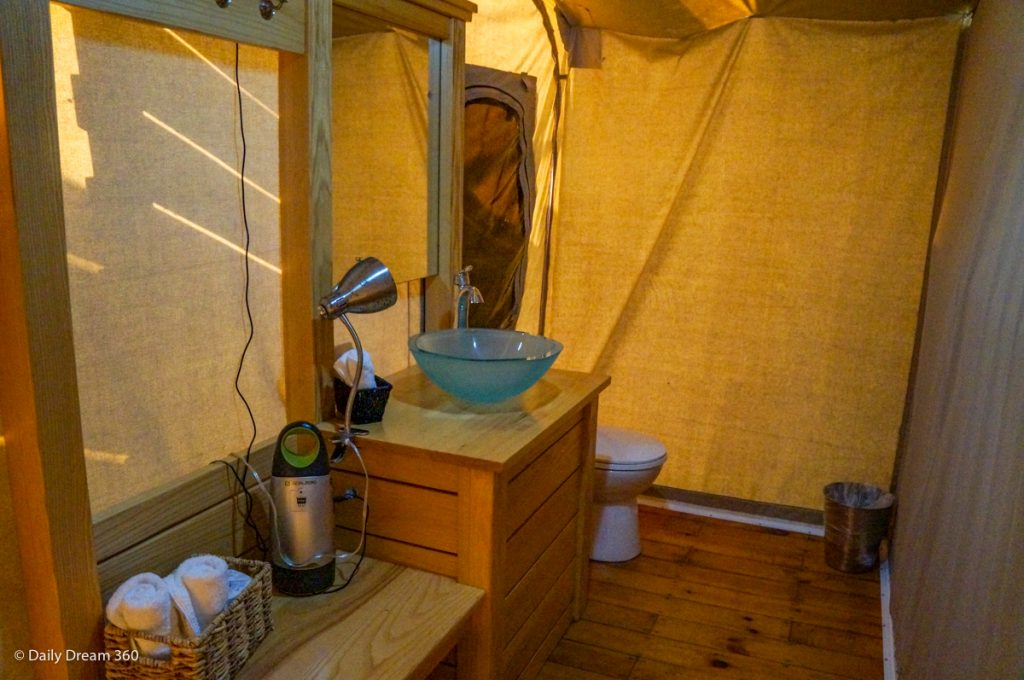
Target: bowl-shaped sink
column 483, row 365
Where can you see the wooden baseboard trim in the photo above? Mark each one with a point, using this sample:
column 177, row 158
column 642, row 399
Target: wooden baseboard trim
column 888, row 638
column 794, row 526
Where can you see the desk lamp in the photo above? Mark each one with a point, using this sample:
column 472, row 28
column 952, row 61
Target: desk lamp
column 366, row 288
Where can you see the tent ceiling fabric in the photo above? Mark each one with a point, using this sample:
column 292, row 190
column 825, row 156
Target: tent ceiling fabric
column 682, row 18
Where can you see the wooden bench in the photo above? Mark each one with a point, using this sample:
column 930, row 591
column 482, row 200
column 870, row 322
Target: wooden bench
column 390, row 622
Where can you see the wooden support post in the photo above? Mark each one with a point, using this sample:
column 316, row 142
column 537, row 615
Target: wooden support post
column 447, row 111
column 305, row 174
column 38, row 386
column 481, row 552
column 240, row 22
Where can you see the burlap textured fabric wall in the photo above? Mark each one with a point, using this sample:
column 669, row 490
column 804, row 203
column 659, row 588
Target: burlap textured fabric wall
column 149, row 152
column 744, row 219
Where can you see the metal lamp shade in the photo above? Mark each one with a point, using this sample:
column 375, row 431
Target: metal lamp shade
column 365, row 288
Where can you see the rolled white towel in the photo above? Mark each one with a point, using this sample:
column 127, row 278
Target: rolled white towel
column 205, row 577
column 237, row 582
column 186, row 623
column 143, row 604
column 345, row 367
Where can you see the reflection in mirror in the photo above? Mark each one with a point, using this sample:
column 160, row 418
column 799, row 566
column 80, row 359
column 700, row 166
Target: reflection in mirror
column 380, row 137
column 498, row 190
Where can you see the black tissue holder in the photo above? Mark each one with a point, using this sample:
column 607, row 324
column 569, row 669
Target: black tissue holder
column 369, row 405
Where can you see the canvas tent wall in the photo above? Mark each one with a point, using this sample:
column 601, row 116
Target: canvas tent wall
column 957, row 604
column 741, row 225
column 754, row 205
column 958, row 548
column 379, row 156
column 153, row 235
column 139, row 168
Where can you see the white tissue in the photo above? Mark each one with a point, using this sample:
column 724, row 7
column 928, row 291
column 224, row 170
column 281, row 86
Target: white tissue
column 205, row 577
column 143, row 604
column 345, row 367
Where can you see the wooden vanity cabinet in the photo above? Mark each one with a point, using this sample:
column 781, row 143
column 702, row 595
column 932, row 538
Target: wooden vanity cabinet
column 495, row 496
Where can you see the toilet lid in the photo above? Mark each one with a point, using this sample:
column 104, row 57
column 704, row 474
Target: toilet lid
column 620, row 449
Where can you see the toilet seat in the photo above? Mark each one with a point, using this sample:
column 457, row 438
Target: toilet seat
column 624, row 450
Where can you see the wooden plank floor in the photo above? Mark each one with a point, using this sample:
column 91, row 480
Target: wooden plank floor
column 714, row 599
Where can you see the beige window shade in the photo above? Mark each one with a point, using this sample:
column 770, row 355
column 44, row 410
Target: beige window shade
column 149, row 155
column 744, row 222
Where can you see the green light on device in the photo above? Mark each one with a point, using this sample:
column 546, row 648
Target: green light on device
column 300, row 446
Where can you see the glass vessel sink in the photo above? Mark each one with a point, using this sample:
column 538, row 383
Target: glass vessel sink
column 483, row 365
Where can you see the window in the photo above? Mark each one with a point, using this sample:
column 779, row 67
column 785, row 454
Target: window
column 150, row 149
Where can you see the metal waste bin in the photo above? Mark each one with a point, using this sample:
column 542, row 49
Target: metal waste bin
column 856, row 520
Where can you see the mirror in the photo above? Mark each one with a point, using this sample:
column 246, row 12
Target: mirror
column 380, row 145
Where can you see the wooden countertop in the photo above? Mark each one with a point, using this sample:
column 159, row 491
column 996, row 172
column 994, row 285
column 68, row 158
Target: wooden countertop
column 420, row 417
column 390, row 622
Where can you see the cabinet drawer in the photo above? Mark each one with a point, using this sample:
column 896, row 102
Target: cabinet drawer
column 531, row 487
column 399, row 467
column 400, row 512
column 399, row 553
column 527, row 544
column 538, row 581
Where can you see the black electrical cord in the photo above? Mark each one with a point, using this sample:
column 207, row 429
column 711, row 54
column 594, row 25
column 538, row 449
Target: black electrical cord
column 261, row 542
column 248, row 239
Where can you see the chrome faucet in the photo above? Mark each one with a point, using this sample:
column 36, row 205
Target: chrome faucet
column 465, row 295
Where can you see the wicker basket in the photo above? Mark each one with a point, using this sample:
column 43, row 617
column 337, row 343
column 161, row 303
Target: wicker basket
column 218, row 653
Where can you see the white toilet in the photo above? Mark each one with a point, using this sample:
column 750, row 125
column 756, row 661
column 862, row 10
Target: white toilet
column 626, row 464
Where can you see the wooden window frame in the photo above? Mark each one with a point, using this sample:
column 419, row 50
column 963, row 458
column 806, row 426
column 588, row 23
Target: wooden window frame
column 39, row 403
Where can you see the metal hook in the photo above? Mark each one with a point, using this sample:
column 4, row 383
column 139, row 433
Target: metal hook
column 268, row 8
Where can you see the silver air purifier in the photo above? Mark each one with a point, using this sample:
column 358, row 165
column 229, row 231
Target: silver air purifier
column 303, row 544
